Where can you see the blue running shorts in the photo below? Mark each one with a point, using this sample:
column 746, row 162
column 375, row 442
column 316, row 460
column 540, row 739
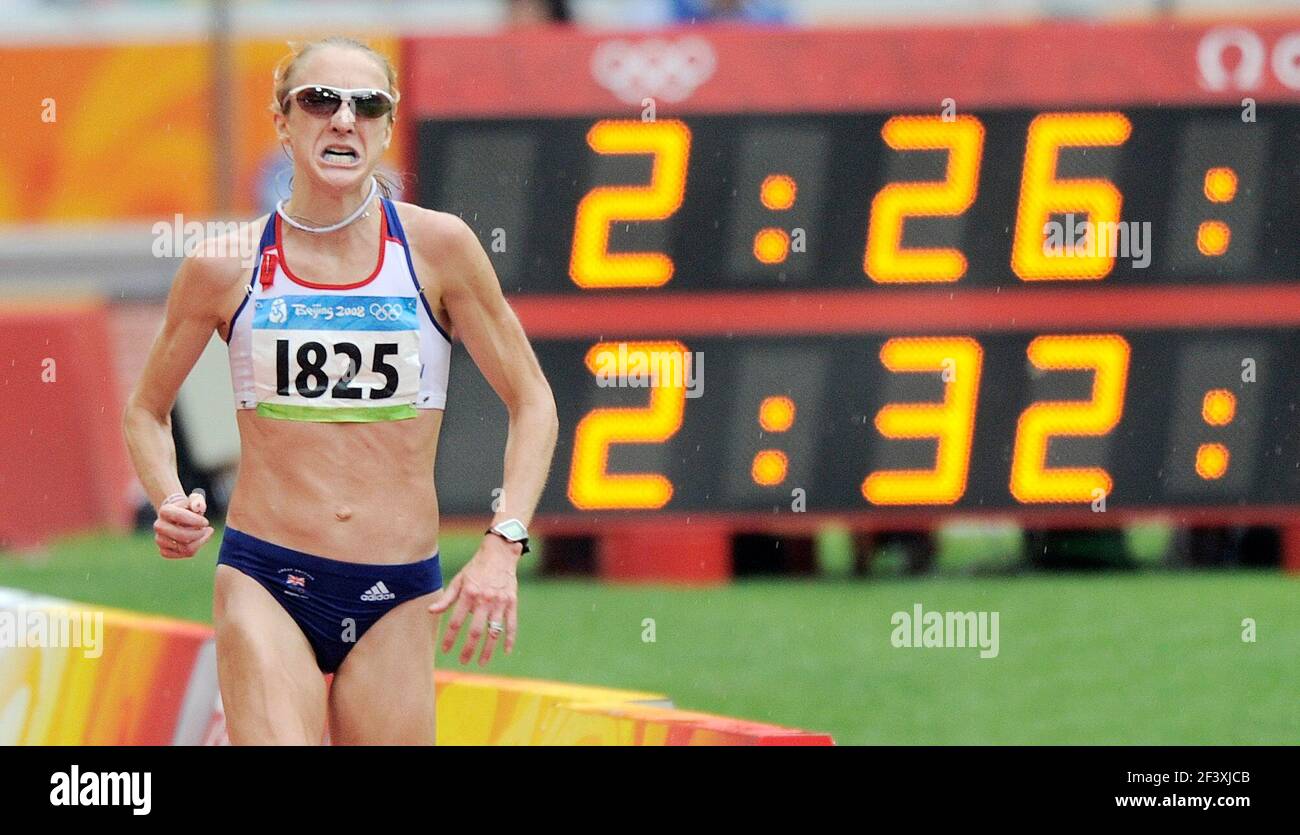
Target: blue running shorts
column 333, row 602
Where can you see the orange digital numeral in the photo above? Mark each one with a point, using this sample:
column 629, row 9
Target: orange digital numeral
column 1043, row 195
column 952, row 422
column 591, row 263
column 1107, row 357
column 591, row 487
column 886, row 261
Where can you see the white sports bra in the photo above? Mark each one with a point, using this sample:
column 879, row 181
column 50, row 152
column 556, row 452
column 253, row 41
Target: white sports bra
column 361, row 352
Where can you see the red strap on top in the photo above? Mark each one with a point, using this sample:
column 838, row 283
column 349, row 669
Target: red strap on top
column 266, row 272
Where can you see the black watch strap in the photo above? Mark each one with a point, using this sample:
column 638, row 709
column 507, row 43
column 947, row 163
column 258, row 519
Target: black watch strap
column 523, row 542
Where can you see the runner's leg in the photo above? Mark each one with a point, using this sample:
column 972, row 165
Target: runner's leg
column 383, row 693
column 271, row 688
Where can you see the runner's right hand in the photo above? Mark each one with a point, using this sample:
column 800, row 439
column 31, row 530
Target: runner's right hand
column 182, row 527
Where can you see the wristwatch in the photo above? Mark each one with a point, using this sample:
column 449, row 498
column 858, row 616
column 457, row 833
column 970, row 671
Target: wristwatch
column 511, row 530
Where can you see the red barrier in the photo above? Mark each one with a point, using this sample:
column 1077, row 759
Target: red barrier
column 697, row 554
column 63, row 462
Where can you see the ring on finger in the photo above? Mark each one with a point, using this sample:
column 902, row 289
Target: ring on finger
column 495, row 627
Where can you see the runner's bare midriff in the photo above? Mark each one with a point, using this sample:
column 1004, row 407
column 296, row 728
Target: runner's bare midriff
column 361, row 492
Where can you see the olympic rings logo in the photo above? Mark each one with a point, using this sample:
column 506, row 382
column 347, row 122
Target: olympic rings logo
column 390, row 312
column 658, row 68
column 1253, row 54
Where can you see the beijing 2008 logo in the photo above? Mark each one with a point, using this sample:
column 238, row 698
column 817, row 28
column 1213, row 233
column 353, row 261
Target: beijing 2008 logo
column 279, row 312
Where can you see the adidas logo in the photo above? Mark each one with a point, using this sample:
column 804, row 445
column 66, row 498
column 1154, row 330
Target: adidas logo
column 378, row 592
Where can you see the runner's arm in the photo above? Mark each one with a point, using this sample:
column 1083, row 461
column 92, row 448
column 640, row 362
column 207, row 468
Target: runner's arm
column 192, row 315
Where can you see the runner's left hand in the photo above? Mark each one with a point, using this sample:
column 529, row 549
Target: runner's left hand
column 486, row 589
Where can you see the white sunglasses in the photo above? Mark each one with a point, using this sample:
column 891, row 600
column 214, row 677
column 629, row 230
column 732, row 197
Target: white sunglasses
column 322, row 101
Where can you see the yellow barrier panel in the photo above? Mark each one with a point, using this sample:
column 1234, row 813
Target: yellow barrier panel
column 493, row 710
column 74, row 674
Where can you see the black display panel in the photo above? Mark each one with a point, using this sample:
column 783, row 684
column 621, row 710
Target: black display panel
column 876, row 200
column 1151, row 418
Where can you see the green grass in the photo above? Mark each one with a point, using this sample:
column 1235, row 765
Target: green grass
column 1149, row 657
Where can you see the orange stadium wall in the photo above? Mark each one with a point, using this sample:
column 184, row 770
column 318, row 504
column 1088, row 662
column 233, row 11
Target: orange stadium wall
column 91, row 151
column 152, row 681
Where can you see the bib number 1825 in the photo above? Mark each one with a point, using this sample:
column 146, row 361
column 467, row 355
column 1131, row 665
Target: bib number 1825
column 312, row 380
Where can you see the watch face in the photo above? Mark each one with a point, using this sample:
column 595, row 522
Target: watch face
column 513, row 529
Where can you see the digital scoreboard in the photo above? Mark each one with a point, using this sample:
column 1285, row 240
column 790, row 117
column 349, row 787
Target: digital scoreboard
column 888, row 276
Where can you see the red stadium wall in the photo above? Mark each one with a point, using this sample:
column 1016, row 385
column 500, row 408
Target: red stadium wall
column 736, row 69
column 63, row 463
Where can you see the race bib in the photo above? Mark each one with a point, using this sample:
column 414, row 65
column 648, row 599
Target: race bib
column 336, row 358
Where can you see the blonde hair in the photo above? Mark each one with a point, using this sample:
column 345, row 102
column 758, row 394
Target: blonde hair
column 285, row 67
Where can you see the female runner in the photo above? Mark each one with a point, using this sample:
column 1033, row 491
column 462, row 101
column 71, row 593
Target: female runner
column 339, row 350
